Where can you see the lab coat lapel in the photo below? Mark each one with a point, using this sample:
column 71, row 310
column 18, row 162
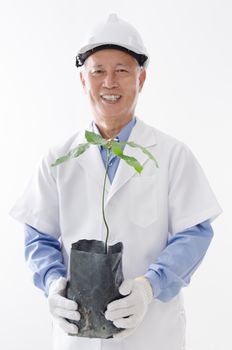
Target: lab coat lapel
column 144, row 136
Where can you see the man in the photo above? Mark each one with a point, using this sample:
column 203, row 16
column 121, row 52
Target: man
column 162, row 216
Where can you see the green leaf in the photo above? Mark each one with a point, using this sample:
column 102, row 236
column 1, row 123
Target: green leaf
column 61, row 160
column 94, row 138
column 81, row 148
column 144, row 150
column 132, row 162
column 116, row 149
column 74, row 153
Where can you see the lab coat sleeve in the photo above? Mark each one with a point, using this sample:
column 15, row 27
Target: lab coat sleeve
column 38, row 205
column 190, row 198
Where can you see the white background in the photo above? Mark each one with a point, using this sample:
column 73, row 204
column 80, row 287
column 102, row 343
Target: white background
column 187, row 94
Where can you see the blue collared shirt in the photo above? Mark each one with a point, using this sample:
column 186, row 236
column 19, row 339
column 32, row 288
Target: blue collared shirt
column 113, row 159
column 171, row 271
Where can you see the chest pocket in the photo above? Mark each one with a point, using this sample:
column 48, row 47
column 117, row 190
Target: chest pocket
column 143, row 200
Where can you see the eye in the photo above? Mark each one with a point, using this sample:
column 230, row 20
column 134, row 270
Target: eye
column 97, row 71
column 121, row 70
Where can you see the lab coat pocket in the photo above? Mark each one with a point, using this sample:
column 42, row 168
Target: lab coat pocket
column 143, row 200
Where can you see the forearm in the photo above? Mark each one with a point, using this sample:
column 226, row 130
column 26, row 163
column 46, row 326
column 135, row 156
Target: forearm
column 43, row 256
column 175, row 265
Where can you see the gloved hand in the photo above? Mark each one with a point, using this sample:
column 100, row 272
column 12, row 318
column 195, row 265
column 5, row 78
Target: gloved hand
column 134, row 306
column 61, row 307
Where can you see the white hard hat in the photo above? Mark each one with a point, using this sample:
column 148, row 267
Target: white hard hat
column 116, row 34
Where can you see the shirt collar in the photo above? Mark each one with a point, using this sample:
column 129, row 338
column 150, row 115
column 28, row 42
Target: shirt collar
column 124, row 134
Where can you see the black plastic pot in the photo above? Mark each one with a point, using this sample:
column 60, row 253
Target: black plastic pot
column 94, row 281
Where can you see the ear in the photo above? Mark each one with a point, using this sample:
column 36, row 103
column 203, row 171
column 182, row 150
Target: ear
column 82, row 79
column 142, row 78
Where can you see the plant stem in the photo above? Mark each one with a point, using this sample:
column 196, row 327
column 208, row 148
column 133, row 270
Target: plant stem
column 103, row 200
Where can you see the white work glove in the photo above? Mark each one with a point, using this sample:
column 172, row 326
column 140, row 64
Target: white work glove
column 129, row 311
column 61, row 307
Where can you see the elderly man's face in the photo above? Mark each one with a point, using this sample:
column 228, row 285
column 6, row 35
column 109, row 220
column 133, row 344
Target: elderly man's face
column 112, row 80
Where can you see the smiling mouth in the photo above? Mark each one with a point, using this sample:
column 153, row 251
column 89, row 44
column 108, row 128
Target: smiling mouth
column 111, row 98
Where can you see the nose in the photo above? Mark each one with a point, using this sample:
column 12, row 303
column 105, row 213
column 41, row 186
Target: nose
column 110, row 80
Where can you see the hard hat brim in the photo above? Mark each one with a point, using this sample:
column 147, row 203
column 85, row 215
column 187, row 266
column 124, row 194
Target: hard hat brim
column 81, row 57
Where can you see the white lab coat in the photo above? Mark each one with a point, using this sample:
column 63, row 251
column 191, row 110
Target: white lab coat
column 141, row 210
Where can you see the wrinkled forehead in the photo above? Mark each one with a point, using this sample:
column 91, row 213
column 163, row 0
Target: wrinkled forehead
column 111, row 58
